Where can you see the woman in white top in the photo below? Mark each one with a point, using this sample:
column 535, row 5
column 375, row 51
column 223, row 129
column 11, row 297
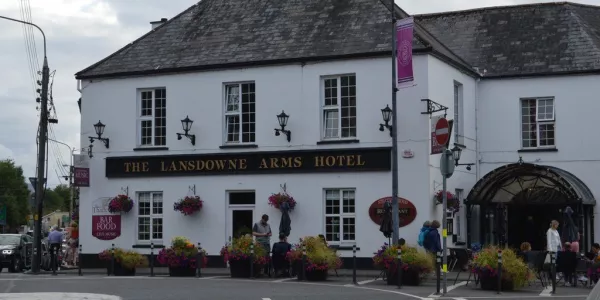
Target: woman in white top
column 553, row 238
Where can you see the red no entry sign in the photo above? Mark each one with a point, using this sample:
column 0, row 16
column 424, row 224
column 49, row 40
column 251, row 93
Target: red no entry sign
column 442, row 131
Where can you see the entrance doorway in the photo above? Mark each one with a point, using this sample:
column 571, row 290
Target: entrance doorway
column 240, row 213
column 529, row 223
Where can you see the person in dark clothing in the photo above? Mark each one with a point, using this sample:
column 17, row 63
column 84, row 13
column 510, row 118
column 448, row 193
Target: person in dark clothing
column 432, row 242
column 279, row 252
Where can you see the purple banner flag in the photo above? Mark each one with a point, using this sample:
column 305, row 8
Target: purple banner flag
column 404, row 38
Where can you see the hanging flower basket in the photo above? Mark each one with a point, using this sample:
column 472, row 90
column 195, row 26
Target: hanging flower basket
column 276, row 200
column 452, row 202
column 188, row 205
column 120, row 204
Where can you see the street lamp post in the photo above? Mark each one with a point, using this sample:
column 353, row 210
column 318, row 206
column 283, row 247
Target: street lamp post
column 43, row 133
column 71, row 174
column 394, row 132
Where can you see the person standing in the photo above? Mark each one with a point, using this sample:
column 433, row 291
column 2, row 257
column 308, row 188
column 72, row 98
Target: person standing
column 423, row 233
column 262, row 231
column 432, row 242
column 553, row 238
column 55, row 239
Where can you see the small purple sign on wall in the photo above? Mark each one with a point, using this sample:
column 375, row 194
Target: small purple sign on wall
column 82, row 177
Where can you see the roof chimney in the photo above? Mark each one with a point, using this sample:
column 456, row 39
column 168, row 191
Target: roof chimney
column 158, row 23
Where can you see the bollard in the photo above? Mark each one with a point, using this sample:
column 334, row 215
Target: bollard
column 553, row 270
column 199, row 262
column 438, row 266
column 79, row 260
column 112, row 260
column 53, row 259
column 354, row 264
column 252, row 260
column 499, row 271
column 303, row 262
column 399, row 271
column 151, row 259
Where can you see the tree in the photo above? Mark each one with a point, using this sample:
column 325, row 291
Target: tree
column 52, row 201
column 14, row 193
column 64, row 192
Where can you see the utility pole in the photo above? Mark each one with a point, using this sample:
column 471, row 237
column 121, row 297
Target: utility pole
column 395, row 209
column 42, row 138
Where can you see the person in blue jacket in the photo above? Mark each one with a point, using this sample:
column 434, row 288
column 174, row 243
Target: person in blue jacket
column 432, row 242
column 423, row 233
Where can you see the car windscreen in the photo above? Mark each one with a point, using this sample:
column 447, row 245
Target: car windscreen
column 9, row 239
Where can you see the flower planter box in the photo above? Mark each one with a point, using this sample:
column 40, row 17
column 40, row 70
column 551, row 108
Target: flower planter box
column 119, row 270
column 182, row 272
column 241, row 268
column 309, row 275
column 491, row 284
column 410, row 277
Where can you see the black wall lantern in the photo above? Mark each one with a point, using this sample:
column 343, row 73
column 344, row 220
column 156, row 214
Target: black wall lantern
column 283, row 119
column 387, row 114
column 187, row 125
column 99, row 127
column 456, row 153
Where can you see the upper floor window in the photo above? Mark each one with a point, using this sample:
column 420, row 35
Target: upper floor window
column 458, row 114
column 152, row 117
column 339, row 107
column 537, row 122
column 240, row 116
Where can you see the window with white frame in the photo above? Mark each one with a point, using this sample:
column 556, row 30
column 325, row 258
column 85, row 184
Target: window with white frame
column 537, row 123
column 150, row 216
column 340, row 216
column 152, row 117
column 458, row 114
column 339, row 107
column 240, row 113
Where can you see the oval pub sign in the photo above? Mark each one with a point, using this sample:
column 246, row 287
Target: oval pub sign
column 407, row 211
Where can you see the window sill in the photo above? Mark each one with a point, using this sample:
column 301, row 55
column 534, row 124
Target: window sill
column 334, row 142
column 345, row 247
column 151, row 149
column 238, row 146
column 147, row 246
column 538, row 150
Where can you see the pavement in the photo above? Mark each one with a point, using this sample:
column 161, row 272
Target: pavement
column 216, row 284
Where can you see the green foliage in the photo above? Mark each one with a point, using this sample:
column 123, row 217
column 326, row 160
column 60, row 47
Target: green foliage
column 64, row 192
column 52, row 201
column 319, row 256
column 14, row 193
column 387, row 257
column 128, row 259
column 513, row 268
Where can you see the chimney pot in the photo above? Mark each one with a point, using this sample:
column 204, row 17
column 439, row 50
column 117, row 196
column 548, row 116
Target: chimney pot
column 156, row 24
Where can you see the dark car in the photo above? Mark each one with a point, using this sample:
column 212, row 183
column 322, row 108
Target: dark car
column 13, row 248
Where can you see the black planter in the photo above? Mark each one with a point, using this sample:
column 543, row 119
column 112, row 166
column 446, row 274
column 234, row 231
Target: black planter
column 241, row 268
column 182, row 272
column 491, row 284
column 410, row 277
column 119, row 270
column 309, row 275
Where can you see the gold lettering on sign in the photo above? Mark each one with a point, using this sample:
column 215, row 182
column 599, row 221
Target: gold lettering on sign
column 145, row 167
column 339, row 161
column 280, row 162
column 243, row 164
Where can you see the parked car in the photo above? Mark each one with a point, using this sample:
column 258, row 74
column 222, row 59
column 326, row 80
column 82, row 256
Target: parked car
column 13, row 248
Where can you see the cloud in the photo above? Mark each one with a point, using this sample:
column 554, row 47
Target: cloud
column 80, row 33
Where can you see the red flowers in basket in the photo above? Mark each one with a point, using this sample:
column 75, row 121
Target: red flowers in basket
column 276, row 200
column 120, row 203
column 452, row 201
column 188, row 205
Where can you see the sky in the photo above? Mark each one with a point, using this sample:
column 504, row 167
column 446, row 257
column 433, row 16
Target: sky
column 80, row 33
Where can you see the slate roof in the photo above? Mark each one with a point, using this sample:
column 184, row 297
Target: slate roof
column 535, row 39
column 235, row 33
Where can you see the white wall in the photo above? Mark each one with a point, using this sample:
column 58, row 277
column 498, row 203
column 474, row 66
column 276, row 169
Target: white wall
column 576, row 100
column 293, row 88
column 441, row 90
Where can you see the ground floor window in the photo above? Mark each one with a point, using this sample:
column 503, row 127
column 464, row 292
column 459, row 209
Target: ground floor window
column 340, row 216
column 150, row 216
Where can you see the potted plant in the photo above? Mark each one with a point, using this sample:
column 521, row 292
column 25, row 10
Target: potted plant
column 239, row 257
column 125, row 261
column 319, row 259
column 415, row 264
column 120, row 204
column 181, row 257
column 452, row 202
column 188, row 205
column 515, row 273
column 276, row 200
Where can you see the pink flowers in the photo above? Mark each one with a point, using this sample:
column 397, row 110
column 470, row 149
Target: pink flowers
column 120, row 203
column 276, row 200
column 188, row 205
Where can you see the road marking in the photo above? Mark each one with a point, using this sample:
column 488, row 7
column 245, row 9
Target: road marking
column 547, row 292
column 58, row 296
column 449, row 288
column 366, row 281
column 283, row 280
column 460, row 299
column 266, row 298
